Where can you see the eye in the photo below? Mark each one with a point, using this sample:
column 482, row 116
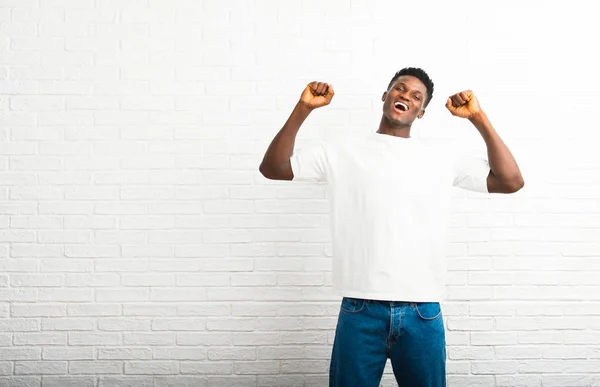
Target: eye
column 417, row 97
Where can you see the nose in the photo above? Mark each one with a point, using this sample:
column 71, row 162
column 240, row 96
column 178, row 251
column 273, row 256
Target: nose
column 404, row 95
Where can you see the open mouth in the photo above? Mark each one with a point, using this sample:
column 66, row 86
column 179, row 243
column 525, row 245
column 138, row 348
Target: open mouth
column 401, row 106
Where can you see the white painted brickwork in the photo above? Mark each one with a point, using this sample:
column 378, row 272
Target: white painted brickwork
column 141, row 247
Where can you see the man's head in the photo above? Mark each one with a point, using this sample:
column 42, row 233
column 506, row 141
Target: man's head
column 408, row 94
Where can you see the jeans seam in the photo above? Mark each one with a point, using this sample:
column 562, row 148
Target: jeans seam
column 391, row 330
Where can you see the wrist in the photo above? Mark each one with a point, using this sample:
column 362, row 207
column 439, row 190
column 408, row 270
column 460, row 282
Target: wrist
column 304, row 107
column 477, row 116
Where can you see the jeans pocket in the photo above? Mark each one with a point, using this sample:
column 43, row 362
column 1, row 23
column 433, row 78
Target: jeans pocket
column 428, row 311
column 352, row 305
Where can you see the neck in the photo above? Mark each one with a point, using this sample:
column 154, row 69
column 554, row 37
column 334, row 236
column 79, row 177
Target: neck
column 398, row 130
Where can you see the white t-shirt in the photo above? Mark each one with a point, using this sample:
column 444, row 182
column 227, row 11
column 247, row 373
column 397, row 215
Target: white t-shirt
column 390, row 199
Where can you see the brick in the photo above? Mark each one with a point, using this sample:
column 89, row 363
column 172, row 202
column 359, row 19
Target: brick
column 183, row 381
column 242, row 353
column 20, row 381
column 40, row 367
column 103, row 367
column 263, row 367
column 124, row 353
column 178, row 324
column 68, row 381
column 204, row 338
column 40, row 339
column 153, row 338
column 19, row 325
column 15, row 354
column 67, row 353
column 158, row 310
column 518, row 381
column 87, row 338
column 151, row 368
column 207, row 368
column 37, row 310
column 121, row 324
column 125, row 381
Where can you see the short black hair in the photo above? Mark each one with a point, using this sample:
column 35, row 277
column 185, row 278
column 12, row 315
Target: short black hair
column 421, row 75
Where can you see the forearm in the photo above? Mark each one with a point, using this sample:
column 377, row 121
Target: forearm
column 502, row 163
column 276, row 160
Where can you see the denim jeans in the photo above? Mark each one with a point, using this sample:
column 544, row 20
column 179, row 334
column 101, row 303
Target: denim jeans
column 410, row 334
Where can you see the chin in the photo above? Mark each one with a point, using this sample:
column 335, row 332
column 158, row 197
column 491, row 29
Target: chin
column 395, row 121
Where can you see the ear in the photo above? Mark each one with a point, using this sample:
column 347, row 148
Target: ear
column 384, row 96
column 420, row 115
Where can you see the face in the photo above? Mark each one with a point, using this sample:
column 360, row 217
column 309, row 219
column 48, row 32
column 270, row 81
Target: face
column 404, row 101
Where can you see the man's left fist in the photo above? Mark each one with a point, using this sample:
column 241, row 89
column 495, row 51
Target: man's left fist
column 463, row 104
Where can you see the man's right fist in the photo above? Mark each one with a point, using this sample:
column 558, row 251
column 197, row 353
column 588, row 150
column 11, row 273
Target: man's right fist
column 317, row 94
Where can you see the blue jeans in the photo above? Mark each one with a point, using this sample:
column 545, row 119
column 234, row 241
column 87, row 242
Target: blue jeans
column 410, row 334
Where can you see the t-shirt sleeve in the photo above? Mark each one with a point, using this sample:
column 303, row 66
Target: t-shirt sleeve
column 310, row 163
column 471, row 172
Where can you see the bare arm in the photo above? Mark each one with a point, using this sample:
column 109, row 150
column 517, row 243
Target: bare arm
column 276, row 162
column 505, row 175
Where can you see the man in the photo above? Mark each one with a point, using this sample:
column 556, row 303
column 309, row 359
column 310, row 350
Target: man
column 390, row 196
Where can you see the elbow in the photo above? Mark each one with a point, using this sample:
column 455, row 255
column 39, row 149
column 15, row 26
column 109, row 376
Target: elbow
column 275, row 172
column 268, row 172
column 515, row 184
column 264, row 170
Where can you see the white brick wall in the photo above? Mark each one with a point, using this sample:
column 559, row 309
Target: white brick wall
column 141, row 247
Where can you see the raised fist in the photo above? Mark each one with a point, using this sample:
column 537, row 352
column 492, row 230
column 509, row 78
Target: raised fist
column 463, row 104
column 317, row 94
